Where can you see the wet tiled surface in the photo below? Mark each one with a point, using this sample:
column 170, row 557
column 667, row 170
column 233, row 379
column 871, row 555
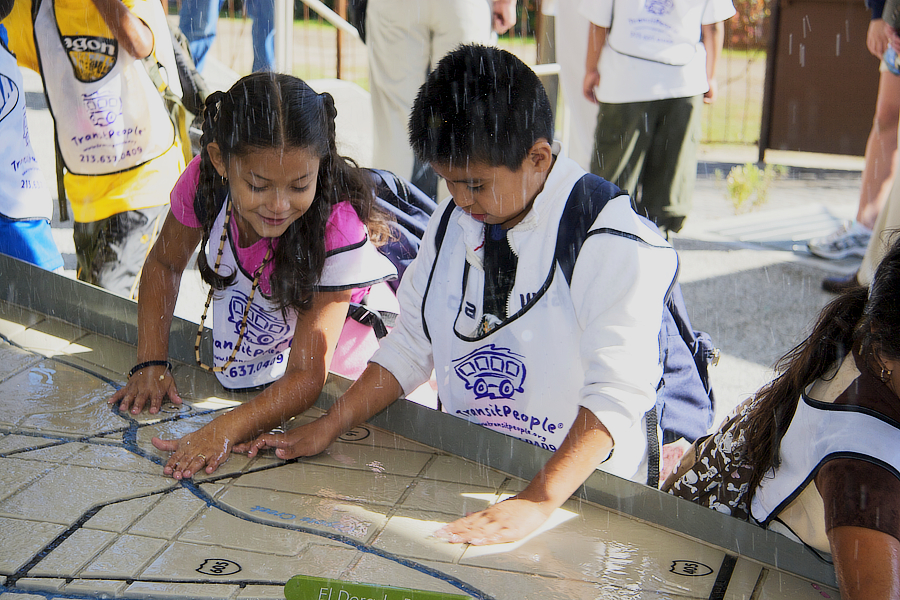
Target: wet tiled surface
column 85, row 511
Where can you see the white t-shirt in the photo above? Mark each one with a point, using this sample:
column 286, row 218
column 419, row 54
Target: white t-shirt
column 653, row 49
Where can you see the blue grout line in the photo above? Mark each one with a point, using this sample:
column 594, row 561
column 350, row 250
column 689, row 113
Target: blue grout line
column 129, row 442
column 360, row 546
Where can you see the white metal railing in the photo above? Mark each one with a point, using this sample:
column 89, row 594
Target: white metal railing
column 331, row 16
column 284, row 18
column 284, row 44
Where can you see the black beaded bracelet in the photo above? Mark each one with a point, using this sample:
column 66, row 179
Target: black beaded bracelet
column 149, row 363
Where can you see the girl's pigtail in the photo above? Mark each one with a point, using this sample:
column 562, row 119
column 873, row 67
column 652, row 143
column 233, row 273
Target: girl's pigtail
column 328, row 171
column 832, row 337
column 353, row 183
column 211, row 191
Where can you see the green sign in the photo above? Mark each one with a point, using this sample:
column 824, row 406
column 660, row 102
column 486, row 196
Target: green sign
column 301, row 587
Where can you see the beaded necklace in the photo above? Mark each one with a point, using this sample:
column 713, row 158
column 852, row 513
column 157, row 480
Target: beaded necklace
column 243, row 328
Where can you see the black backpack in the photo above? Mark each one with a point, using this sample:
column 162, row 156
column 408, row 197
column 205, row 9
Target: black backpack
column 684, row 401
column 411, row 209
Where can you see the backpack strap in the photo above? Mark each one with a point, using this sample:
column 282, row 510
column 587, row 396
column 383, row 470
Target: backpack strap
column 685, row 399
column 173, row 103
column 378, row 320
column 438, row 240
column 588, row 197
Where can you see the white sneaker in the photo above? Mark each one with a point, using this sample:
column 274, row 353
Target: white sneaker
column 850, row 239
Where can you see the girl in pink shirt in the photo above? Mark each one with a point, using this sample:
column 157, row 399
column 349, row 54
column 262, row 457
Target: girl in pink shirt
column 283, row 223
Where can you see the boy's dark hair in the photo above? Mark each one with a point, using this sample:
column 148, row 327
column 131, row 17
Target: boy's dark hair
column 480, row 104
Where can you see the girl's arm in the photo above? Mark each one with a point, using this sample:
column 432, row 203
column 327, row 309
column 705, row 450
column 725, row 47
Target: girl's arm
column 133, row 34
column 318, row 330
column 867, row 563
column 160, row 282
column 374, row 391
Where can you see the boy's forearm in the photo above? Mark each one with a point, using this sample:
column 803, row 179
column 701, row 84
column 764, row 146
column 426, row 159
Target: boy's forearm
column 132, row 33
column 587, row 444
column 375, row 390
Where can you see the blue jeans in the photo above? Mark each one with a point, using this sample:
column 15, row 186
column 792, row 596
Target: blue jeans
column 198, row 23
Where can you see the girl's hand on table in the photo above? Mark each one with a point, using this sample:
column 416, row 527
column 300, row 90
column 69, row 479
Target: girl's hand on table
column 147, row 387
column 202, row 448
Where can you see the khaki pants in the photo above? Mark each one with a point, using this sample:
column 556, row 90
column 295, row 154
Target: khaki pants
column 405, row 39
column 885, row 231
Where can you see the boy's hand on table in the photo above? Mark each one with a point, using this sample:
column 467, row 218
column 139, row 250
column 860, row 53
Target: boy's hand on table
column 306, row 440
column 204, row 447
column 507, row 521
column 148, row 387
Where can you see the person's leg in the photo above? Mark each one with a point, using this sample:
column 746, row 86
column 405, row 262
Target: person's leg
column 881, row 151
column 398, row 46
column 451, row 22
column 455, row 22
column 670, row 170
column 852, row 239
column 621, row 141
column 111, row 252
column 885, row 227
column 197, row 20
column 87, row 245
column 263, row 33
column 571, row 48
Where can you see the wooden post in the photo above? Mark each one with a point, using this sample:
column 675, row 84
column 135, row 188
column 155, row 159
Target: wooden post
column 545, row 38
column 341, row 9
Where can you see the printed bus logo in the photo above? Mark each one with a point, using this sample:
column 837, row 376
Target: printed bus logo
column 9, row 96
column 492, row 372
column 262, row 328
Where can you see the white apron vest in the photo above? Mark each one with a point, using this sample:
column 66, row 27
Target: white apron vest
column 819, row 432
column 489, row 378
column 23, row 191
column 109, row 116
column 263, row 353
column 656, row 30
